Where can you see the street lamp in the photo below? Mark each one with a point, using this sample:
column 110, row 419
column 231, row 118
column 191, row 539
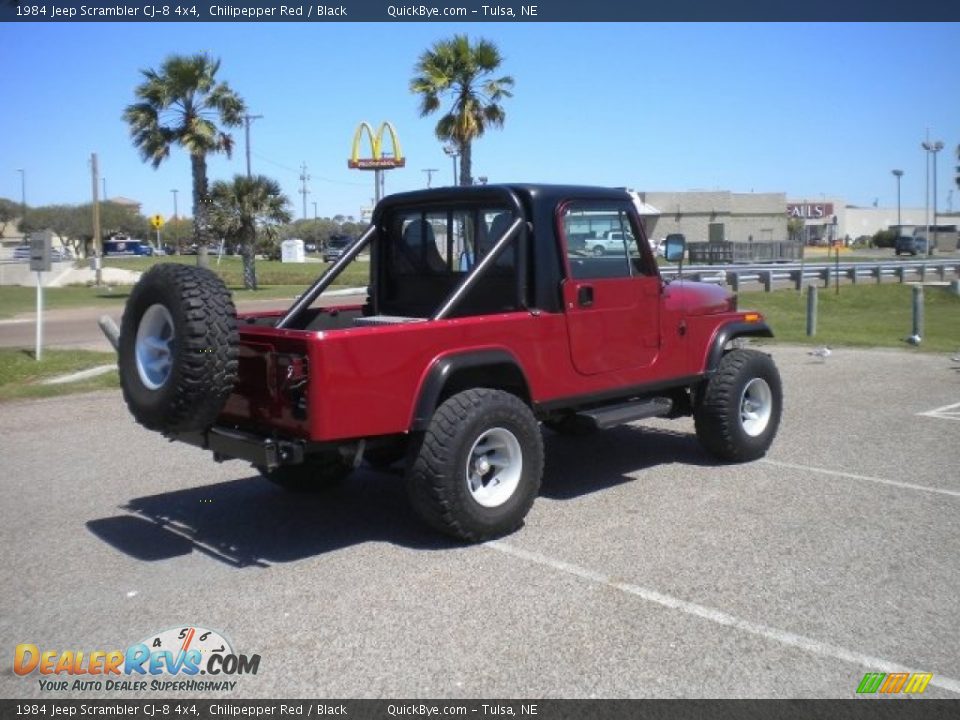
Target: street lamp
column 23, row 192
column 932, row 148
column 454, row 154
column 898, row 174
column 174, row 191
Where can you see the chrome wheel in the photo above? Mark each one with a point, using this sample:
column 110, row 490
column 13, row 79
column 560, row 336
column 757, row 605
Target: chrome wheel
column 494, row 466
column 154, row 347
column 756, row 406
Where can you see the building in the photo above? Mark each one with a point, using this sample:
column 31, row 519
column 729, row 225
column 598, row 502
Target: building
column 719, row 216
column 832, row 219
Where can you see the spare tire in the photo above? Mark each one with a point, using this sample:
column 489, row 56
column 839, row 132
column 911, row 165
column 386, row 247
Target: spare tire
column 178, row 348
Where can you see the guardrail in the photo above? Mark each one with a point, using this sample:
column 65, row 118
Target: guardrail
column 798, row 273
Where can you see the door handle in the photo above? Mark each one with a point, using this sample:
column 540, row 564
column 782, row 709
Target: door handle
column 585, row 295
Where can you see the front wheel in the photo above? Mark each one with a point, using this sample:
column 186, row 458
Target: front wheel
column 479, row 467
column 739, row 410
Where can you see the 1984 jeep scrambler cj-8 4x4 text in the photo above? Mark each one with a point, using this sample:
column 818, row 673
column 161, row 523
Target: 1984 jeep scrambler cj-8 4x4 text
column 479, row 325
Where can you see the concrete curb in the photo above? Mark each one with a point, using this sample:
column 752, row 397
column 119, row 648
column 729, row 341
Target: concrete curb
column 77, row 376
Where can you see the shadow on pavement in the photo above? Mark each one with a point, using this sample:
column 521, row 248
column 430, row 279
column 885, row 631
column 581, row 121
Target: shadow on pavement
column 578, row 466
column 250, row 522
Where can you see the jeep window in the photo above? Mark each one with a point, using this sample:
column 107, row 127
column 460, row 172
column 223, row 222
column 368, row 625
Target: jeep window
column 594, row 256
column 428, row 252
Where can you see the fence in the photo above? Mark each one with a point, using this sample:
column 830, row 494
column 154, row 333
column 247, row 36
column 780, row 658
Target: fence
column 729, row 252
column 797, row 274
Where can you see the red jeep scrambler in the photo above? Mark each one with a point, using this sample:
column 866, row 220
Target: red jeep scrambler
column 480, row 323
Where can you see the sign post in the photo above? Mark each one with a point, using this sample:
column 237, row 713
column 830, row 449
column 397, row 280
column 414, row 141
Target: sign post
column 40, row 259
column 157, row 222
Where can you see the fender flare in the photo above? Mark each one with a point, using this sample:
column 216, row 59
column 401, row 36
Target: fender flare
column 728, row 332
column 445, row 367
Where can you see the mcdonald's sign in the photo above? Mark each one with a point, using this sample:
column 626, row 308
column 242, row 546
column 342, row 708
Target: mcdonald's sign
column 376, row 161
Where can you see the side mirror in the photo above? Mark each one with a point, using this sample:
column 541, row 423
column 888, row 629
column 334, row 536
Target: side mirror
column 674, row 248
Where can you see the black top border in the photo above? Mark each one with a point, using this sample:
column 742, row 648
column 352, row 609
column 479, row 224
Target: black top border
column 472, row 11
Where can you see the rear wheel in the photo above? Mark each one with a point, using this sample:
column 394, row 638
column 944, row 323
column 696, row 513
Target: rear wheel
column 598, row 250
column 479, row 467
column 739, row 410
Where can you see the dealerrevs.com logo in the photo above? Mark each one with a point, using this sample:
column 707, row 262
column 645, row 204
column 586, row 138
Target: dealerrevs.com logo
column 182, row 653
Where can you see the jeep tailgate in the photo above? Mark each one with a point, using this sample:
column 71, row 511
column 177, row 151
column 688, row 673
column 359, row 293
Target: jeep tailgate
column 271, row 390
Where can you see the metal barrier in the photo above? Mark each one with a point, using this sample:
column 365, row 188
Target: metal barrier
column 797, row 274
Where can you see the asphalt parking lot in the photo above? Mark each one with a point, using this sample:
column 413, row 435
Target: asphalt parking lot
column 644, row 569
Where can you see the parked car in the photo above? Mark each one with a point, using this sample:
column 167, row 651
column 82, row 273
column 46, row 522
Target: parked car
column 127, row 247
column 451, row 375
column 610, row 242
column 310, row 246
column 910, row 245
column 335, row 247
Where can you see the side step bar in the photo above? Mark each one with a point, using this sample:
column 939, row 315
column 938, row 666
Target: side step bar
column 611, row 415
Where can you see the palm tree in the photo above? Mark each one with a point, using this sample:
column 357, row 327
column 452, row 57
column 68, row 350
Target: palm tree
column 463, row 71
column 180, row 105
column 238, row 208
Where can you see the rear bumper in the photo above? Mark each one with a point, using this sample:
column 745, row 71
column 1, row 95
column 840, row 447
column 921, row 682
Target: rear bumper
column 230, row 444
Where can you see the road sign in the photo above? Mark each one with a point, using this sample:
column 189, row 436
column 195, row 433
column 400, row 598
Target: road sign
column 40, row 252
column 157, row 222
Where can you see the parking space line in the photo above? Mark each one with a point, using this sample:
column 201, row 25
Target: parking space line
column 719, row 617
column 947, row 412
column 868, row 478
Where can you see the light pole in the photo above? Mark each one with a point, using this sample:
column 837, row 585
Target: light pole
column 314, row 209
column 104, row 181
column 898, row 174
column 454, row 154
column 429, row 172
column 932, row 148
column 23, row 192
column 175, row 191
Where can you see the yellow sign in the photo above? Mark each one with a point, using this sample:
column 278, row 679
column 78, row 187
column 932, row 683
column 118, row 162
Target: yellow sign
column 376, row 161
column 157, row 222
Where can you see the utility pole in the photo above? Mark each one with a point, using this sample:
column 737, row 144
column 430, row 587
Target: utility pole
column 104, row 181
column 246, row 123
column 303, row 187
column 96, row 220
column 429, row 172
column 314, row 209
column 175, row 191
column 23, row 192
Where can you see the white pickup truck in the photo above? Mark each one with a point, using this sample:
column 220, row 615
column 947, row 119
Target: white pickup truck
column 609, row 242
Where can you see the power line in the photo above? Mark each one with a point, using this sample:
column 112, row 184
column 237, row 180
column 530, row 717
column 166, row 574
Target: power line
column 314, row 177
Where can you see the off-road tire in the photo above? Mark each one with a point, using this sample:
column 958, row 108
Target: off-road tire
column 437, row 480
column 203, row 349
column 317, row 473
column 722, row 426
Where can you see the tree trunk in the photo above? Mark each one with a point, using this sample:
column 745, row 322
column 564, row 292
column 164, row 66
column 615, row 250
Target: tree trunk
column 249, row 259
column 466, row 164
column 201, row 202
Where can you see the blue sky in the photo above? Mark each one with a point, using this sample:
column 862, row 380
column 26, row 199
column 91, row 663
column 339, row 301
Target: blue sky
column 808, row 109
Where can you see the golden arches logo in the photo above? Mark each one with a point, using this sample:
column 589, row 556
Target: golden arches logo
column 376, row 161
